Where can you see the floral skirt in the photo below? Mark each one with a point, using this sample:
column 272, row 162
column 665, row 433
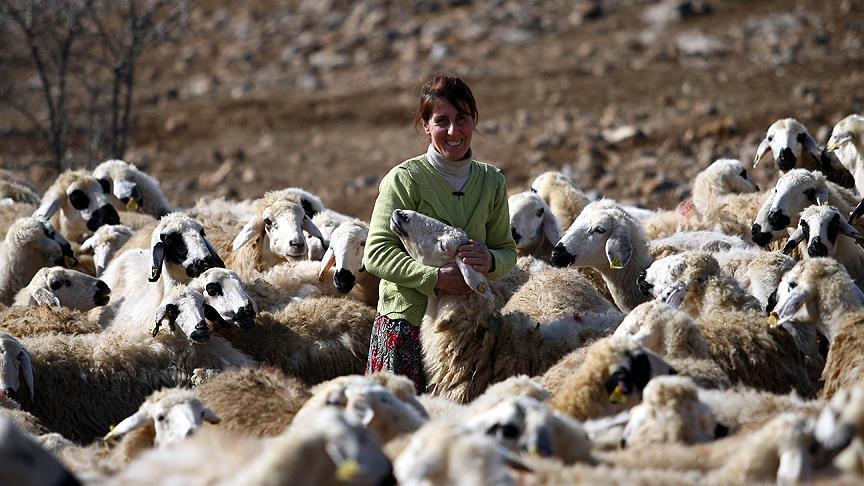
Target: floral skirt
column 395, row 347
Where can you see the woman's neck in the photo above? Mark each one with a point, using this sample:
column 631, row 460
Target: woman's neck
column 455, row 172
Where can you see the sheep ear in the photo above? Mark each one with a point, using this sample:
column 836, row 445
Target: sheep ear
column 810, row 145
column 618, row 248
column 219, row 263
column 27, row 371
column 550, row 227
column 327, row 262
column 794, row 239
column 309, row 227
column 43, row 296
column 764, row 147
column 210, row 416
column 362, row 410
column 162, row 313
column 86, row 247
column 158, row 260
column 249, row 232
column 476, row 280
column 792, row 303
column 794, row 466
column 850, row 231
column 135, row 421
column 50, row 205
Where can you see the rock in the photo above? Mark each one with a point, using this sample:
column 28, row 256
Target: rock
column 675, row 11
column 515, row 36
column 620, row 134
column 696, row 43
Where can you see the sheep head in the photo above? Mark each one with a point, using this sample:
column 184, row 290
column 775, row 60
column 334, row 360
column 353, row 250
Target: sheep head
column 15, row 370
column 278, row 226
column 120, row 179
column 57, row 286
column 531, row 221
column 820, row 226
column 435, row 244
column 180, row 240
column 37, row 235
column 847, row 140
column 174, row 414
column 345, row 254
column 788, row 140
column 104, row 242
column 82, row 203
column 600, row 238
column 225, row 300
column 183, row 307
column 795, row 190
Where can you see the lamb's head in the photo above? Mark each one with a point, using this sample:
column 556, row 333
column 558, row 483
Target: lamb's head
column 531, row 221
column 178, row 242
column 345, row 254
column 841, row 419
column 763, row 277
column 730, row 177
column 813, row 292
column 40, row 241
column 788, row 140
column 630, row 370
column 82, row 203
column 847, row 140
column 820, row 226
column 795, row 190
column 526, row 425
column 183, row 307
column 104, row 243
column 278, row 226
column 121, row 179
column 174, row 413
column 601, row 237
column 661, row 275
column 57, row 286
column 434, row 243
column 16, row 373
column 225, row 300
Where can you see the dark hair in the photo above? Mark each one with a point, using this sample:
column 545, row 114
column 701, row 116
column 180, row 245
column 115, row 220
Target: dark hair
column 446, row 87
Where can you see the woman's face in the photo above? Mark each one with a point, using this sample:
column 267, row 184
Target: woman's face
column 449, row 130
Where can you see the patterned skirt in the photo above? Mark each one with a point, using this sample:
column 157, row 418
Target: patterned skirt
column 395, row 347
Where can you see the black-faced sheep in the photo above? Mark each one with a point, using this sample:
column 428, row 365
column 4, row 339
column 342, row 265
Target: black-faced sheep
column 826, row 233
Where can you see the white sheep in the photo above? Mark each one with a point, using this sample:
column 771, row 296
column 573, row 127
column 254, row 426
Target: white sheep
column 30, row 244
column 791, row 145
column 344, row 257
column 846, row 142
column 562, row 195
column 58, row 286
column 533, row 225
column 104, row 243
column 827, row 233
column 77, row 205
column 135, row 189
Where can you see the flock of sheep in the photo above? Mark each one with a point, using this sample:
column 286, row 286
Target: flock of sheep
column 718, row 342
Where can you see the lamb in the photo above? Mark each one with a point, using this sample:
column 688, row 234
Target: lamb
column 795, row 190
column 846, row 143
column 273, row 235
column 821, row 226
column 256, row 401
column 57, row 286
column 104, row 243
column 533, row 225
column 326, row 449
column 611, row 379
column 345, row 258
column 30, row 244
column 326, row 221
column 135, row 189
column 77, row 204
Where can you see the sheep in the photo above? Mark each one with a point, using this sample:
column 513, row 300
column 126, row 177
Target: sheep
column 135, row 189
column 610, row 380
column 104, row 243
column 533, row 224
column 795, row 190
column 763, row 275
column 274, row 234
column 16, row 189
column 822, row 226
column 846, row 142
column 326, row 449
column 787, row 139
column 25, row 462
column 58, row 286
column 38, row 320
column 562, row 195
column 256, row 401
column 326, row 221
column 742, row 407
column 77, row 204
column 820, row 293
column 344, row 257
column 30, row 244
column 719, row 182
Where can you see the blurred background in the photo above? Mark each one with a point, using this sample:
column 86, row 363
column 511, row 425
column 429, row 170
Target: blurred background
column 226, row 98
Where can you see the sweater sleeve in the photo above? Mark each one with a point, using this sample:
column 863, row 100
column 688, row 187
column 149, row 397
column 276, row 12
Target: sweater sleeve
column 384, row 255
column 499, row 239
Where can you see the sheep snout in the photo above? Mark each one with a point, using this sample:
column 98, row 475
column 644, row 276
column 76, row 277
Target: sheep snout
column 201, row 333
column 344, row 280
column 102, row 216
column 561, row 257
column 787, row 159
column 758, row 236
column 778, row 220
column 102, row 295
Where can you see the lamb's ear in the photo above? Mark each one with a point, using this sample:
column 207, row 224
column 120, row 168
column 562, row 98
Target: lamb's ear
column 794, row 466
column 309, row 227
column 210, row 416
column 135, row 421
column 792, row 303
column 794, row 239
column 816, row 197
column 158, row 260
column 50, row 204
column 162, row 313
column 86, row 247
column 219, row 263
column 551, row 230
column 810, row 145
column 476, row 280
column 327, row 261
column 249, row 232
column 618, row 247
column 27, row 371
column 43, row 296
column 764, row 147
column 850, row 231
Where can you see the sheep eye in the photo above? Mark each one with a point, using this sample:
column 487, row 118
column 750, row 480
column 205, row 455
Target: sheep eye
column 202, row 413
column 770, row 138
column 534, row 190
column 540, row 212
column 56, row 284
column 78, row 199
column 213, row 289
column 160, row 417
column 106, row 185
column 268, row 222
column 792, row 284
column 599, row 230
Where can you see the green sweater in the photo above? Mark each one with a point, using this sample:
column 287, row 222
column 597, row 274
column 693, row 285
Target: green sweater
column 414, row 184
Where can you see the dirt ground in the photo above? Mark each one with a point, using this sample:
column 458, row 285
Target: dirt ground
column 631, row 98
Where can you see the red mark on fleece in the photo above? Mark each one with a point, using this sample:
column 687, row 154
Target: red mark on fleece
column 686, row 207
column 577, row 317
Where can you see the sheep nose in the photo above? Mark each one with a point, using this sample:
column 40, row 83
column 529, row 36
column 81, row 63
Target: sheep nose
column 102, row 216
column 786, row 161
column 758, row 236
column 201, row 332
column 516, row 235
column 817, row 248
column 561, row 257
column 778, row 220
column 343, row 280
column 102, row 295
column 297, row 243
column 245, row 317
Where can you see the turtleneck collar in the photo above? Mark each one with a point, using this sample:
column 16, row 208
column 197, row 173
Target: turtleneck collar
column 447, row 167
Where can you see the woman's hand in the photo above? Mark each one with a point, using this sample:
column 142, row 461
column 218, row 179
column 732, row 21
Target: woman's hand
column 477, row 255
column 450, row 280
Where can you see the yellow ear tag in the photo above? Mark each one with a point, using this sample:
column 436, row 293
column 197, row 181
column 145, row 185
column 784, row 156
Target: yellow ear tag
column 481, row 287
column 69, row 261
column 533, row 451
column 347, row 470
column 132, row 205
column 617, row 395
column 153, row 271
column 616, row 264
column 773, row 321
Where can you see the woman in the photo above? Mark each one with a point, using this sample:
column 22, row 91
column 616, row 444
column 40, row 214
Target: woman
column 447, row 184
